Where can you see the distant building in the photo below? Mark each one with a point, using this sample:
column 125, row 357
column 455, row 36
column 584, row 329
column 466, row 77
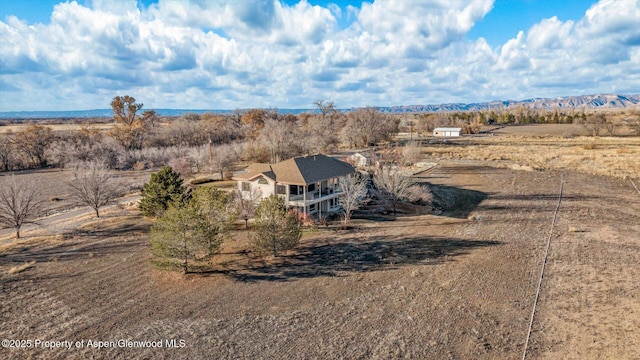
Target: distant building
column 362, row 159
column 308, row 184
column 447, row 132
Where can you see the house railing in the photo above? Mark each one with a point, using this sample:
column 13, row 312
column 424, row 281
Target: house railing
column 314, row 195
column 296, row 197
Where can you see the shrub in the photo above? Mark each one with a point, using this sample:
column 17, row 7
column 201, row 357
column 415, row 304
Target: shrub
column 139, row 166
column 181, row 165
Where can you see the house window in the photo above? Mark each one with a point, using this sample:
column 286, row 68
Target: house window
column 312, row 208
column 281, row 189
column 295, row 190
column 311, row 188
column 246, row 186
column 263, row 181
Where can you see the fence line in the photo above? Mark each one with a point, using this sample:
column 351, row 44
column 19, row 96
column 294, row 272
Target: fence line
column 634, row 185
column 544, row 263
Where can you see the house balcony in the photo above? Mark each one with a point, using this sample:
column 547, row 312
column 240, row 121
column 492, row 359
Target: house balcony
column 311, row 198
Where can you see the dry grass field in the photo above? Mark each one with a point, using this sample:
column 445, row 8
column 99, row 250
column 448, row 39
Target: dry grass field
column 457, row 285
column 610, row 156
column 15, row 128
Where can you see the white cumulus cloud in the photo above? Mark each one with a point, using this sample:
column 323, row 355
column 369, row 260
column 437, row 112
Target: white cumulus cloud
column 264, row 53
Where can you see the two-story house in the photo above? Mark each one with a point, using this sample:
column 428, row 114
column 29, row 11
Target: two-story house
column 308, row 184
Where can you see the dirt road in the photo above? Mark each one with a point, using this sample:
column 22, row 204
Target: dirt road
column 65, row 221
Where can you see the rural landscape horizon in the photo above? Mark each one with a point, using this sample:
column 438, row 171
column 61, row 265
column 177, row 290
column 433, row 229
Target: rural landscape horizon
column 583, row 102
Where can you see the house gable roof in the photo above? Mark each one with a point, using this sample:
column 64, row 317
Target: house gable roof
column 257, row 169
column 300, row 170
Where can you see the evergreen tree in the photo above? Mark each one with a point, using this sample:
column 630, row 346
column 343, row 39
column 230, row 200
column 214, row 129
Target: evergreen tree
column 182, row 232
column 164, row 187
column 218, row 209
column 275, row 228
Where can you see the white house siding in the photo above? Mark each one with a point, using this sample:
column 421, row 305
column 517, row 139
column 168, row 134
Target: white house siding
column 319, row 173
column 264, row 190
column 447, row 132
column 265, row 186
column 322, row 200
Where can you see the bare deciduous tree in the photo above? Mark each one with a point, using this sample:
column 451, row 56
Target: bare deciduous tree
column 611, row 126
column 131, row 129
column 93, row 186
column 33, row 142
column 245, row 204
column 322, row 133
column 19, row 203
column 411, row 153
column 368, row 126
column 219, row 129
column 353, row 194
column 184, row 131
column 594, row 123
column 6, row 153
column 392, row 185
column 325, row 107
column 280, row 138
column 199, row 158
column 222, row 156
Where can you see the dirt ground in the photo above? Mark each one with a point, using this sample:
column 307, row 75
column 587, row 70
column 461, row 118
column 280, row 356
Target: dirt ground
column 52, row 185
column 457, row 285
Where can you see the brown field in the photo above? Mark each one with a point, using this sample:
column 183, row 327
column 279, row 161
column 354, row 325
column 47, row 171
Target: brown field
column 609, row 156
column 457, row 285
column 547, row 130
column 52, row 184
column 15, row 128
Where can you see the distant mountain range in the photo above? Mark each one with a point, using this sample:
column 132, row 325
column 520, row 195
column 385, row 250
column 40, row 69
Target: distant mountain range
column 601, row 101
column 585, row 102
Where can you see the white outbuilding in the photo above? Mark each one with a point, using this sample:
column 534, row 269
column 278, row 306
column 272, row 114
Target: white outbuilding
column 442, row 132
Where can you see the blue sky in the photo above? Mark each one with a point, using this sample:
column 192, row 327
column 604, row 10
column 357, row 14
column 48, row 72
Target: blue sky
column 503, row 22
column 269, row 53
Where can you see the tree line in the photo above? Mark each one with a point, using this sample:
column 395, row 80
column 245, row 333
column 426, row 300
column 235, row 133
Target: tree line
column 192, row 143
column 596, row 122
column 140, row 139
